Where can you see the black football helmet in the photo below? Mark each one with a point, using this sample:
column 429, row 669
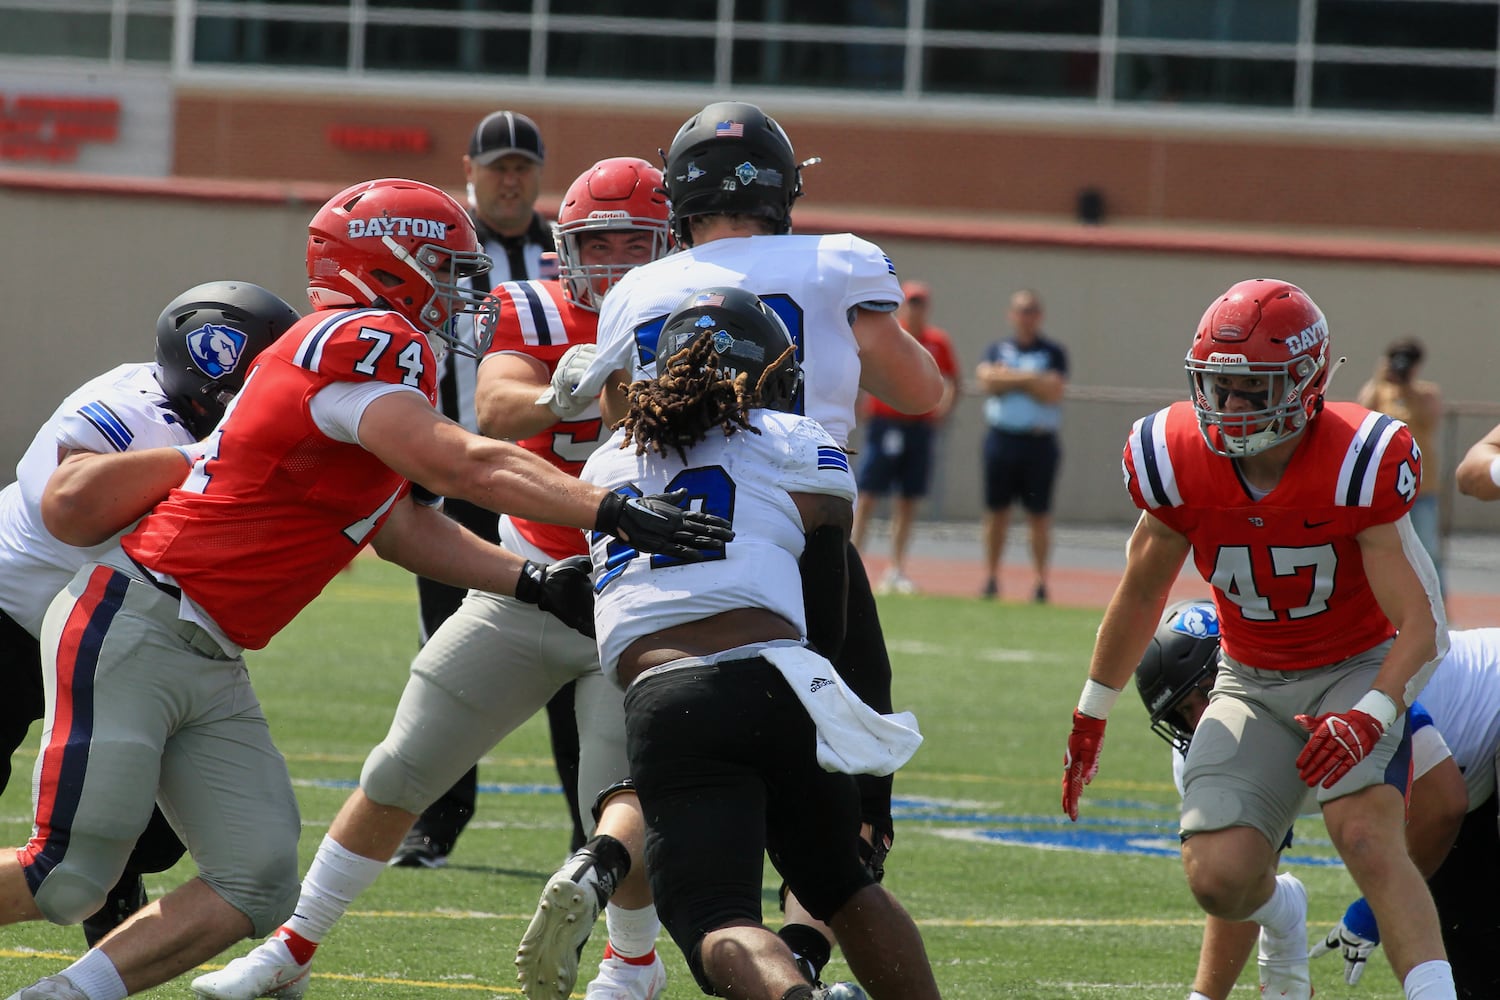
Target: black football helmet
column 1183, row 655
column 747, row 335
column 206, row 340
column 731, row 158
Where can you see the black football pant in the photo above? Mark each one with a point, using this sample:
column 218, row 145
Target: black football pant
column 1465, row 889
column 446, row 818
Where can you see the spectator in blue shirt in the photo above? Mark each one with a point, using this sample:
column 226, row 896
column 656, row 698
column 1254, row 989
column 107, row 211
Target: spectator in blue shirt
column 1024, row 376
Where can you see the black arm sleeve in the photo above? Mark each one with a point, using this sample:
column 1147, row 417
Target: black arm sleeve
column 825, row 584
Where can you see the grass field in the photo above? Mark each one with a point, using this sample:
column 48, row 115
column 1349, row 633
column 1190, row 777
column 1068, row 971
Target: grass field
column 1012, row 899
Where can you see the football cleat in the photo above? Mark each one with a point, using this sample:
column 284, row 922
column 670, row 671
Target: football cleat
column 622, row 980
column 51, row 988
column 419, row 850
column 839, row 991
column 547, row 959
column 1283, row 960
column 268, row 971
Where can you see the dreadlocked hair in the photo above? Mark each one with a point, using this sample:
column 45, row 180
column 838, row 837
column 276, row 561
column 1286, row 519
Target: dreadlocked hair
column 678, row 408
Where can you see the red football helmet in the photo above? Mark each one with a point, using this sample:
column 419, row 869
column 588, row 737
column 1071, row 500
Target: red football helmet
column 619, row 193
column 1266, row 329
column 402, row 245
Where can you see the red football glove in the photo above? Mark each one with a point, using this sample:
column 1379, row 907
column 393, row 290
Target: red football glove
column 1081, row 762
column 1339, row 741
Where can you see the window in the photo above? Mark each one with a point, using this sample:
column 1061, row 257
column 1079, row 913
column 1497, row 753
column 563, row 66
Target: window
column 271, row 43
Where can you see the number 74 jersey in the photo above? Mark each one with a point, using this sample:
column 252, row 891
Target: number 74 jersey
column 1286, row 569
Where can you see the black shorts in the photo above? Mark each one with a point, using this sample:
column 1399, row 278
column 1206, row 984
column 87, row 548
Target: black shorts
column 1020, row 467
column 897, row 458
column 724, row 761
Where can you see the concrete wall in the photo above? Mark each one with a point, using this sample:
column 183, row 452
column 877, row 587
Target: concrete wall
column 89, row 267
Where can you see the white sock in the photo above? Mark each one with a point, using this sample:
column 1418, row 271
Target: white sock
column 336, row 877
column 1282, row 913
column 1430, row 981
column 96, row 976
column 1195, row 995
column 632, row 933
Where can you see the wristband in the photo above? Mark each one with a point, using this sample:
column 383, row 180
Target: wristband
column 1379, row 706
column 1097, row 699
column 1495, row 470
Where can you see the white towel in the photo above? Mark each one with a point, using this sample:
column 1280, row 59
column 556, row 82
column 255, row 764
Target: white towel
column 853, row 738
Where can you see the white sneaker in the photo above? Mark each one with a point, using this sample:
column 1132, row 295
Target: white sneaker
column 268, row 971
column 51, row 988
column 1283, row 959
column 896, row 582
column 547, row 959
column 620, row 980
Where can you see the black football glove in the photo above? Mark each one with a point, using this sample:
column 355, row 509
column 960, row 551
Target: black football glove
column 564, row 590
column 656, row 524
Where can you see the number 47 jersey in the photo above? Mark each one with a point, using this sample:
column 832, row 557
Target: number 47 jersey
column 1286, row 569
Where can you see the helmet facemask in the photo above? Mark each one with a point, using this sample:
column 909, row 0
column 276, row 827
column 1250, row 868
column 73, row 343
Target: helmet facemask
column 1280, row 398
column 441, row 270
column 585, row 285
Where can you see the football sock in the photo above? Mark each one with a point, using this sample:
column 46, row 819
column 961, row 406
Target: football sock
column 1429, row 981
column 1281, row 914
column 96, row 977
column 1195, row 995
column 335, row 878
column 632, row 933
column 809, row 944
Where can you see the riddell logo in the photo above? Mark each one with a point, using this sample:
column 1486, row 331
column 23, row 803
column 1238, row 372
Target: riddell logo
column 398, row 225
column 1219, row 358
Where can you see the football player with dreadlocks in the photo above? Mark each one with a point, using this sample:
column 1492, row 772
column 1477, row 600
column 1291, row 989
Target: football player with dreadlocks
column 733, row 177
column 1455, row 740
column 742, row 737
column 312, row 462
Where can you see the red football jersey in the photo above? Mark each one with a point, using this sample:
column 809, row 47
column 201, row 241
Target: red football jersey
column 537, row 321
column 940, row 346
column 278, row 508
column 1286, row 570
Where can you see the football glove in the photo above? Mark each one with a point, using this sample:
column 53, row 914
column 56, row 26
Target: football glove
column 559, row 397
column 564, row 590
column 656, row 524
column 1081, row 760
column 1356, row 948
column 1339, row 741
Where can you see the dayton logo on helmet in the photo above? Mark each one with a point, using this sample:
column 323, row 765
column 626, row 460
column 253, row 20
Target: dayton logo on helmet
column 1306, row 340
column 216, row 350
column 398, row 225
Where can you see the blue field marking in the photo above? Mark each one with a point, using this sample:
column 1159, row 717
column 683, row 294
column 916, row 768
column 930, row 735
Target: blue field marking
column 1150, row 832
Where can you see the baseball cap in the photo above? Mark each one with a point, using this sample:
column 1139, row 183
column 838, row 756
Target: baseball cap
column 918, row 290
column 502, row 133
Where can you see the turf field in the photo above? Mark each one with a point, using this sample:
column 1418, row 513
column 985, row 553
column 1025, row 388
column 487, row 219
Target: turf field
column 1013, row 900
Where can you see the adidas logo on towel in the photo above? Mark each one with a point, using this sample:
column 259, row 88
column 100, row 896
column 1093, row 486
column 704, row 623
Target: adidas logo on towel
column 819, row 683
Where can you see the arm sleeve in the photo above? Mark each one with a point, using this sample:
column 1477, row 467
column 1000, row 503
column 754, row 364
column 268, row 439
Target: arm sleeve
column 337, row 408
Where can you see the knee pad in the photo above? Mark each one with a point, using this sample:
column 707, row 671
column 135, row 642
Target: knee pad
column 387, row 781
column 70, row 895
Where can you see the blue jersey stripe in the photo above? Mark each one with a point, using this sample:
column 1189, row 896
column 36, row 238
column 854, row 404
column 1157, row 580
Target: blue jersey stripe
column 108, row 423
column 832, row 458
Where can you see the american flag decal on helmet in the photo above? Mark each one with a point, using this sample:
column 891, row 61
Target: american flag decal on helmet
column 729, row 130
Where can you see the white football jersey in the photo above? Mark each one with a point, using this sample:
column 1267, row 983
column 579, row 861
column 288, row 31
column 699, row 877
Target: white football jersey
column 747, row 479
column 1463, row 698
column 811, row 281
column 122, row 410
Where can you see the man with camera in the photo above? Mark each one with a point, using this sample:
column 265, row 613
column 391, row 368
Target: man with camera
column 1395, row 390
